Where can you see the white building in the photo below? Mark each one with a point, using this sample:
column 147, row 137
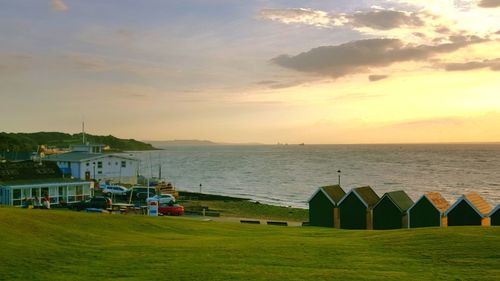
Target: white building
column 88, row 162
column 27, row 180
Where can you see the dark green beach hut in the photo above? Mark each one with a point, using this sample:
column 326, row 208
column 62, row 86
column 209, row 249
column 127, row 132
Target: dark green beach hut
column 355, row 208
column 391, row 211
column 495, row 216
column 428, row 211
column 322, row 206
column 470, row 209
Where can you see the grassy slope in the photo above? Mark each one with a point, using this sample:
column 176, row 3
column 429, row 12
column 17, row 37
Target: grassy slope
column 238, row 207
column 29, row 141
column 61, row 245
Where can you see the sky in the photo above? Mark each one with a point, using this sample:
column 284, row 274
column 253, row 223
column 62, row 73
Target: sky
column 393, row 71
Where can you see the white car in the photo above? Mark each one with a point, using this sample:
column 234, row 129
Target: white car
column 114, row 190
column 162, row 198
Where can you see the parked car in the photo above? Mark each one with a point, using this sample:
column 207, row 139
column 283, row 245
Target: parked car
column 171, row 210
column 114, row 190
column 162, row 198
column 141, row 192
column 100, row 202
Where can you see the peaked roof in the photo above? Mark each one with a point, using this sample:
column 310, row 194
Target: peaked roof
column 475, row 200
column 497, row 208
column 478, row 201
column 438, row 201
column 333, row 192
column 400, row 199
column 367, row 195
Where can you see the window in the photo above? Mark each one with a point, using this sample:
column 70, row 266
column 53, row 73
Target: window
column 109, row 163
column 87, row 164
column 99, row 165
column 124, row 164
column 99, row 172
column 79, row 192
column 16, row 197
column 26, row 193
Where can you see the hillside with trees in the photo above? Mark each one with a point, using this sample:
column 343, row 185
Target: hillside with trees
column 29, row 142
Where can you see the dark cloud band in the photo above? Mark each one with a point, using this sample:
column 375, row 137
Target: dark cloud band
column 362, row 55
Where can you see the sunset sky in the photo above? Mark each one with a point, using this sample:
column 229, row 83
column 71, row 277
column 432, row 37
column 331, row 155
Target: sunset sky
column 253, row 71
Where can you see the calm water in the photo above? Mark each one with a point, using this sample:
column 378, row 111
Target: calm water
column 288, row 175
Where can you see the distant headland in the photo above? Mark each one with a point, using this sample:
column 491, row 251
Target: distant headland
column 192, row 142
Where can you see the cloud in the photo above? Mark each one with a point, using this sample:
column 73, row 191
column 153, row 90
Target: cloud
column 377, row 19
column 59, row 5
column 489, row 3
column 358, row 56
column 298, row 15
column 385, row 19
column 374, row 78
column 13, row 64
column 492, row 64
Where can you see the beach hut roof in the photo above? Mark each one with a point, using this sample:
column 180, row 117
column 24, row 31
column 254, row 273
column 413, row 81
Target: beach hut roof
column 365, row 194
column 368, row 195
column 474, row 200
column 438, row 201
column 497, row 208
column 333, row 192
column 478, row 201
column 400, row 199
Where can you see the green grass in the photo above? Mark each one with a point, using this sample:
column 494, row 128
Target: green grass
column 247, row 209
column 63, row 245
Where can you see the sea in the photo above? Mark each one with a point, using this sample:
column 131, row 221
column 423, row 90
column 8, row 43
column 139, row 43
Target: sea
column 287, row 175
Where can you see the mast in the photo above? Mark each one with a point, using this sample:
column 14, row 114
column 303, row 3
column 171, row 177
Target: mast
column 83, row 131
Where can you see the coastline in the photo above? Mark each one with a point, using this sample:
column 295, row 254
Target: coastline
column 235, row 207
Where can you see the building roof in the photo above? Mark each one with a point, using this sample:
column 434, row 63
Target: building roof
column 438, row 201
column 333, row 192
column 497, row 208
column 400, row 199
column 368, row 195
column 474, row 200
column 41, row 181
column 479, row 202
column 82, row 156
column 72, row 156
column 28, row 171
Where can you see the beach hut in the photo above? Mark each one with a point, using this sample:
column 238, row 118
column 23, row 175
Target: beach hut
column 428, row 211
column 495, row 216
column 355, row 209
column 390, row 212
column 470, row 209
column 323, row 206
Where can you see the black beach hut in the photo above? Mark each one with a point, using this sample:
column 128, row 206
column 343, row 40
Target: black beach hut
column 355, row 208
column 390, row 211
column 428, row 211
column 323, row 206
column 495, row 216
column 470, row 209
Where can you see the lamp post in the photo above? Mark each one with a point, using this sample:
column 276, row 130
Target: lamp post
column 200, row 188
column 338, row 172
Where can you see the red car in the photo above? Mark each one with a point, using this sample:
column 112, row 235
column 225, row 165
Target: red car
column 174, row 210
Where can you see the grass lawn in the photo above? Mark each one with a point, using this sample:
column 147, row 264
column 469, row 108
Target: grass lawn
column 64, row 245
column 247, row 209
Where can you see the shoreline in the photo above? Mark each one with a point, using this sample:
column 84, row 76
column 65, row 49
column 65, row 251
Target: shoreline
column 235, row 207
